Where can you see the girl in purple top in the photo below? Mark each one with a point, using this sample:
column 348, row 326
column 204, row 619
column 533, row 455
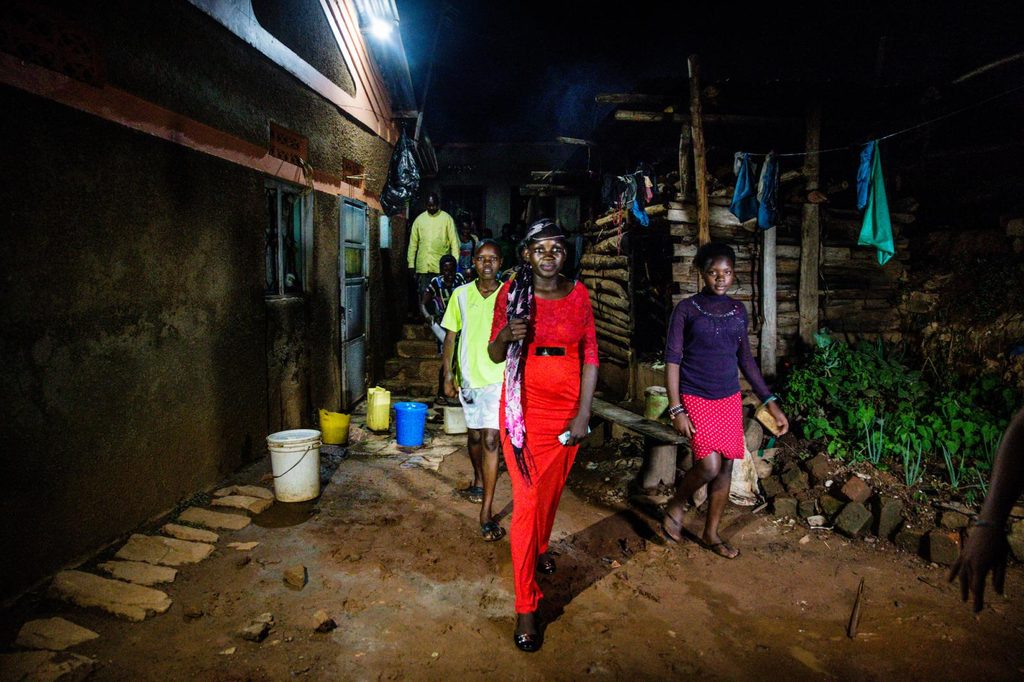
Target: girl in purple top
column 707, row 339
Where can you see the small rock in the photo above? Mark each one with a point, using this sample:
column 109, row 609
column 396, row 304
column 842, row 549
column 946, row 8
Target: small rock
column 819, row 467
column 943, row 546
column 139, row 572
column 253, row 505
column 133, row 602
column 795, row 480
column 189, row 533
column 45, row 665
column 256, row 631
column 817, row 521
column 322, row 622
column 805, row 539
column 55, row 634
column 772, row 486
column 296, row 577
column 856, row 490
column 806, row 508
column 784, row 507
column 910, row 540
column 247, row 490
column 854, row 519
column 952, row 520
column 192, row 611
column 888, row 513
column 242, row 546
column 215, row 520
column 229, row 651
column 153, row 549
column 1016, row 540
column 830, row 505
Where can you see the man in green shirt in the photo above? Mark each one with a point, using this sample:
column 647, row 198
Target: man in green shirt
column 432, row 236
column 478, row 381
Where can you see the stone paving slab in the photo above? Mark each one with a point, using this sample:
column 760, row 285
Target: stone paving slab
column 253, row 505
column 189, row 533
column 133, row 602
column 139, row 572
column 55, row 634
column 154, row 549
column 45, row 666
column 248, row 490
column 215, row 520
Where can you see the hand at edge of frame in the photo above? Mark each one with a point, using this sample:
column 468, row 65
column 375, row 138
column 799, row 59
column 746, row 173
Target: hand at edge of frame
column 984, row 550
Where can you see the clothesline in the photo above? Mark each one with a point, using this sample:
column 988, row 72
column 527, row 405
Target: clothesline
column 900, row 132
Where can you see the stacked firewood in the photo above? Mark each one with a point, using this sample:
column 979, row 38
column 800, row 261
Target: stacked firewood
column 856, row 295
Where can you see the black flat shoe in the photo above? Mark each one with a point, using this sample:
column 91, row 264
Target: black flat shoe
column 525, row 641
column 546, row 565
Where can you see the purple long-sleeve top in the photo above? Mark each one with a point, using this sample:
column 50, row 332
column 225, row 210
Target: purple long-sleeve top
column 707, row 338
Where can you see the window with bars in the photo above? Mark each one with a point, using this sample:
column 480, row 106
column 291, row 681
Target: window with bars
column 286, row 241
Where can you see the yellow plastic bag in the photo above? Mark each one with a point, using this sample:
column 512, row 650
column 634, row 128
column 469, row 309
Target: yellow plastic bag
column 334, row 427
column 378, row 409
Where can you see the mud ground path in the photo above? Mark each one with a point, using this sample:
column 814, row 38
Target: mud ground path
column 397, row 560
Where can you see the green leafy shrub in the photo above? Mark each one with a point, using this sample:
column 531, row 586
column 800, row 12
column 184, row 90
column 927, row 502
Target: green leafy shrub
column 864, row 402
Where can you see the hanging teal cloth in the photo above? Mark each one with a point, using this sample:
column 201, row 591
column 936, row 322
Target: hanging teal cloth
column 876, row 230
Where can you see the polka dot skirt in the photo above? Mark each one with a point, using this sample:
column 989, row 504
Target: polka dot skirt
column 718, row 424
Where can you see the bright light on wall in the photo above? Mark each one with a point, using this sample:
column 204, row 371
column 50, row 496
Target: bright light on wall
column 385, row 232
column 380, row 29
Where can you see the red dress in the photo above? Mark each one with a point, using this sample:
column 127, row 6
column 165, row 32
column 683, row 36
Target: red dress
column 550, row 399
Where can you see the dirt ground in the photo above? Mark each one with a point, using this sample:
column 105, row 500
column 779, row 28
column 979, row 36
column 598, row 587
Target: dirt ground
column 397, row 560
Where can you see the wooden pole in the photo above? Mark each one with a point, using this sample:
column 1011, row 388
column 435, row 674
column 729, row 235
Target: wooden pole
column 685, row 143
column 810, row 232
column 769, row 304
column 699, row 162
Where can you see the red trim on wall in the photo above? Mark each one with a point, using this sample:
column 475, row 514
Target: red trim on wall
column 116, row 105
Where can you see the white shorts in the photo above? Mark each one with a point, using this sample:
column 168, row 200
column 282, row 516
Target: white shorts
column 481, row 406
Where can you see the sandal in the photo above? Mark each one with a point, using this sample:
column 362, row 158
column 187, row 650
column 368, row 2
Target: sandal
column 674, row 537
column 473, row 493
column 546, row 564
column 491, row 531
column 721, row 549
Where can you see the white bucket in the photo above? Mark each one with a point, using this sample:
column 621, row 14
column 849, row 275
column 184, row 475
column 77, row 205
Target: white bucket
column 295, row 460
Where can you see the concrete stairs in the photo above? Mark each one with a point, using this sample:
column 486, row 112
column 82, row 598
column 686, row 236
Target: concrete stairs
column 414, row 371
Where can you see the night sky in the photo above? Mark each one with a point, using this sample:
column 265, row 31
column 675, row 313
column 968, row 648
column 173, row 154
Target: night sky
column 524, row 72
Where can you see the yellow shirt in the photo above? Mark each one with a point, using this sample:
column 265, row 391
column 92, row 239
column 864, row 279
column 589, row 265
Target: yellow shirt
column 432, row 236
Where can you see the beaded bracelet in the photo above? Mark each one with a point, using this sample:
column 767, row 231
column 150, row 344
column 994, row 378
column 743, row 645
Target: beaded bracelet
column 676, row 410
column 771, row 398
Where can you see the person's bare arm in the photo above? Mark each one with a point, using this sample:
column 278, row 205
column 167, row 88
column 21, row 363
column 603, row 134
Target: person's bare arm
column 681, row 422
column 581, row 422
column 986, row 547
column 449, row 352
column 515, row 330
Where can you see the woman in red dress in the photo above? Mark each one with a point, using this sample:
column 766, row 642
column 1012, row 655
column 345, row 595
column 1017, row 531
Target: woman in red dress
column 544, row 331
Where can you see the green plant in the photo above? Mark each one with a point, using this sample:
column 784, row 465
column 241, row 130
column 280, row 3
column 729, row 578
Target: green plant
column 912, row 469
column 874, row 441
column 955, row 470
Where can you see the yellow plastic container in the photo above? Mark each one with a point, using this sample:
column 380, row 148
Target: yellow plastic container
column 334, row 427
column 378, row 409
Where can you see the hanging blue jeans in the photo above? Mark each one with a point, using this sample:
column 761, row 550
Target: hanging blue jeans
column 767, row 189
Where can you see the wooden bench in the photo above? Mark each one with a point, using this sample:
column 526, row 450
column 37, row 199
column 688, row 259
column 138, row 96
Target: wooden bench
column 661, row 442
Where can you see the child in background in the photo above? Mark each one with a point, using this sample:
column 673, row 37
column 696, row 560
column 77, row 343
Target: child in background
column 707, row 340
column 478, row 381
column 433, row 305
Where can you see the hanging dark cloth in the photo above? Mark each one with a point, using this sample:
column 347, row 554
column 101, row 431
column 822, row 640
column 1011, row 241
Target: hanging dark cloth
column 767, row 194
column 744, row 199
column 876, row 230
column 403, row 177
